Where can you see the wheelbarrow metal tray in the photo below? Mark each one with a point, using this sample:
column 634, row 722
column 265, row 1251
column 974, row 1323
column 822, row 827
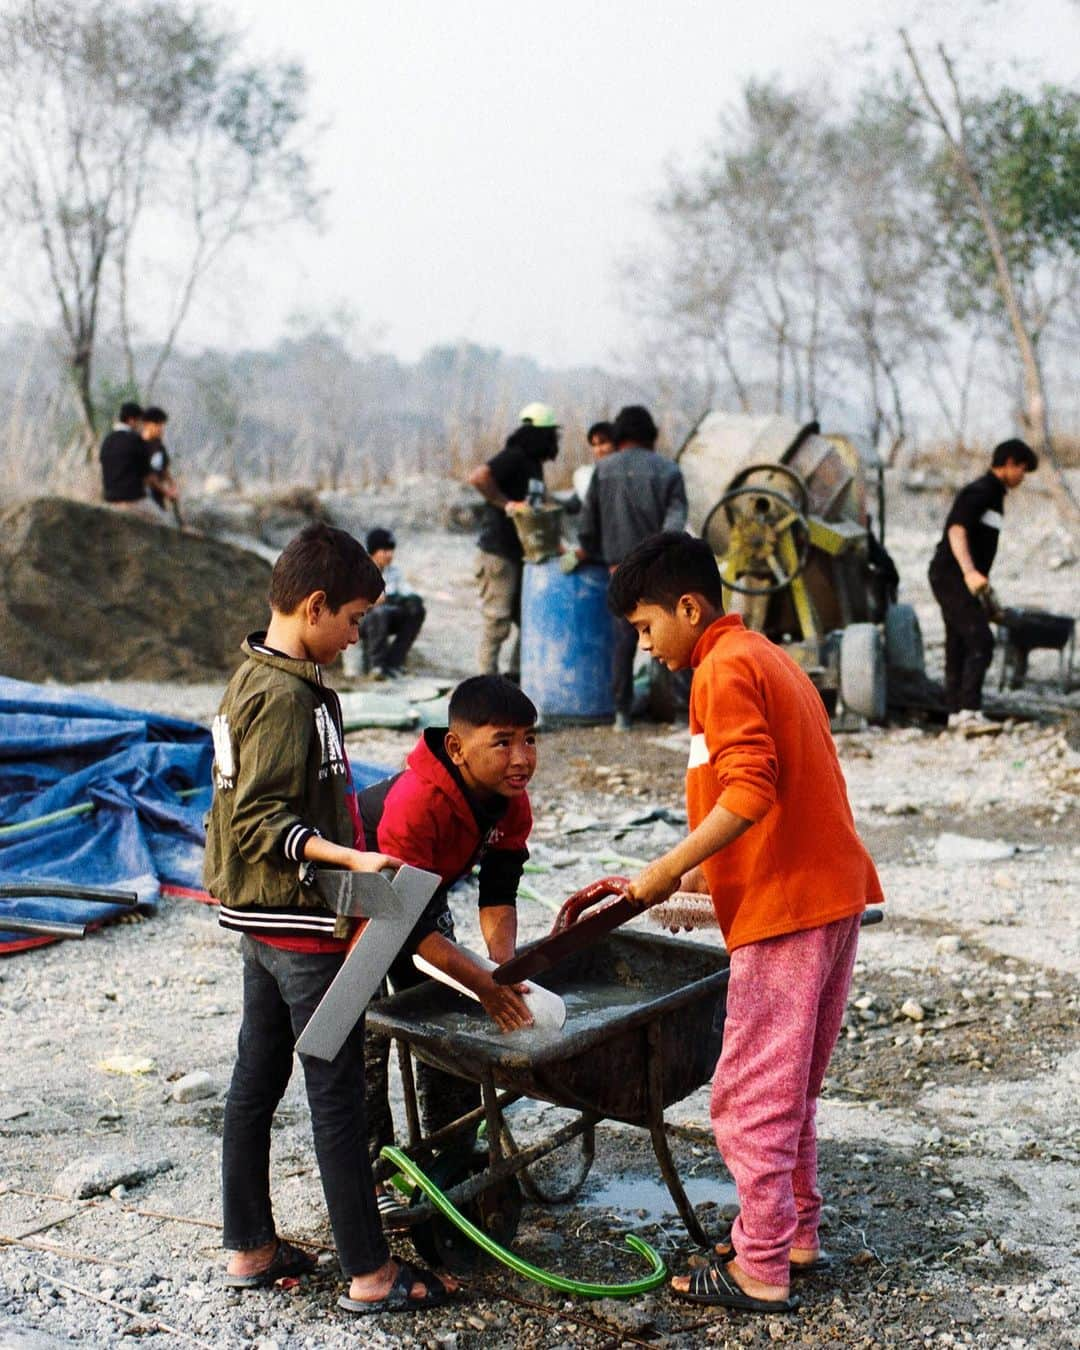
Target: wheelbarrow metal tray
column 619, row 993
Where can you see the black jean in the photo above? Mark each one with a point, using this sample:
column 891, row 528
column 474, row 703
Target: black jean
column 442, row 1097
column 969, row 639
column 623, row 651
column 389, row 631
column 281, row 991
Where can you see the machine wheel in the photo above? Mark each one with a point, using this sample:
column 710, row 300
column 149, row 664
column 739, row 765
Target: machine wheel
column 862, row 671
column 903, row 639
column 497, row 1211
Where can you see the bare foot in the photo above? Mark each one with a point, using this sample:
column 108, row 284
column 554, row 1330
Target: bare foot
column 254, row 1261
column 378, row 1283
column 798, row 1256
column 774, row 1293
column 804, row 1256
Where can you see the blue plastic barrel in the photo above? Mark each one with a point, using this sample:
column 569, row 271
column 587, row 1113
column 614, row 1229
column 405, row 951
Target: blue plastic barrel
column 566, row 637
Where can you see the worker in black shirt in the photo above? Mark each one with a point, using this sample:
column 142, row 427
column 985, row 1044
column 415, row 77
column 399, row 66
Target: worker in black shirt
column 513, row 477
column 960, row 578
column 125, row 460
column 160, row 483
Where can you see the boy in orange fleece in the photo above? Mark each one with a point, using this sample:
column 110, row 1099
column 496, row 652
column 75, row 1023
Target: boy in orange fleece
column 773, row 840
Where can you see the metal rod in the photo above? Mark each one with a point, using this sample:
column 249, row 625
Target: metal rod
column 67, row 890
column 41, row 927
column 408, row 1085
column 493, row 1116
column 654, row 1087
column 467, row 1190
column 382, row 1168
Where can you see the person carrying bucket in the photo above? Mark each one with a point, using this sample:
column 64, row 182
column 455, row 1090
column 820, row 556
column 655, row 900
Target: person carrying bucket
column 508, row 481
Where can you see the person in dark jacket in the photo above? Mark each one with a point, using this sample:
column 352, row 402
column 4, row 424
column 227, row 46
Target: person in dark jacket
column 283, row 799
column 960, row 578
column 125, row 460
column 514, row 476
column 390, row 628
column 634, row 493
column 461, row 800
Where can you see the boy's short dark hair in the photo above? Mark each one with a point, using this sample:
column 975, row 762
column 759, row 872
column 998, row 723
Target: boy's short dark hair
column 602, row 431
column 663, row 568
column 491, row 701
column 130, row 412
column 634, row 424
column 321, row 558
column 380, row 538
column 1014, row 451
column 156, row 415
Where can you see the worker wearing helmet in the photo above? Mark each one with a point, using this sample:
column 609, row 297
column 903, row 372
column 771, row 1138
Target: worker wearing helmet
column 506, row 482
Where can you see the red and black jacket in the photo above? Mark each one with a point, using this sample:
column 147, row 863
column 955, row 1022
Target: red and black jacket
column 426, row 816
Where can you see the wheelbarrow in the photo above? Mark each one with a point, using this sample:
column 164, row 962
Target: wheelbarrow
column 644, row 1022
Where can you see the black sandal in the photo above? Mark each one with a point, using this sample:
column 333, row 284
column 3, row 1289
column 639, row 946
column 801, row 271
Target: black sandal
column 288, row 1261
column 713, row 1286
column 399, row 1298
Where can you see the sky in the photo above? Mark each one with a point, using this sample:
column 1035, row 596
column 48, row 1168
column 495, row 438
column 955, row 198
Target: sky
column 489, row 163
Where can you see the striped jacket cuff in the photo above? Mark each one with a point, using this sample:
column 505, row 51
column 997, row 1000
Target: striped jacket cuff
column 294, row 840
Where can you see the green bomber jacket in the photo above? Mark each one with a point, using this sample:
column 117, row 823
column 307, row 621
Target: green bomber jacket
column 280, row 776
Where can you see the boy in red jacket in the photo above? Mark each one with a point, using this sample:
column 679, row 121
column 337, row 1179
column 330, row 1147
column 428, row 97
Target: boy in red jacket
column 461, row 799
column 773, row 840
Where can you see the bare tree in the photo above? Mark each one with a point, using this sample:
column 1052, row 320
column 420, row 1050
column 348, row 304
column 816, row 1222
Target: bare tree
column 120, row 124
column 954, row 126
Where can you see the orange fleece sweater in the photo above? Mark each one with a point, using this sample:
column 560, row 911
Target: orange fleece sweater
column 760, row 744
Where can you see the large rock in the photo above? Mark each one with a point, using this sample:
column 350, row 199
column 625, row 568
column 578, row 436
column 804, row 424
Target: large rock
column 102, row 1172
column 87, row 593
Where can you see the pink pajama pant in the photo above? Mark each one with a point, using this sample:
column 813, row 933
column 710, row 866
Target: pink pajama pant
column 785, row 1003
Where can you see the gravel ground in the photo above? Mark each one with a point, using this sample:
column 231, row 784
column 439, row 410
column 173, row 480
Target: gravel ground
column 949, row 1126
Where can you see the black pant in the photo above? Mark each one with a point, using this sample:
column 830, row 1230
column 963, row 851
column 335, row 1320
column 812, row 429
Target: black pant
column 389, row 631
column 442, row 1097
column 623, row 650
column 281, row 991
column 969, row 639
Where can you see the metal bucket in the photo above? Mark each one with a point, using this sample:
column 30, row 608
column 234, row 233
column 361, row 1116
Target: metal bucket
column 540, row 530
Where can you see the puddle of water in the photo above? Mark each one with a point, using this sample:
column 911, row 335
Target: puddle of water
column 632, row 1195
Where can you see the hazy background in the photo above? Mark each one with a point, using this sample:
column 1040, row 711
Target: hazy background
column 490, row 176
column 491, row 163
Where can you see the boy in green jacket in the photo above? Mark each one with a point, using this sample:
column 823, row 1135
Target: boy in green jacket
column 283, row 799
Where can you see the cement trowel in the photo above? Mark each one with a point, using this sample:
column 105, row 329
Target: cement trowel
column 571, row 931
column 399, row 904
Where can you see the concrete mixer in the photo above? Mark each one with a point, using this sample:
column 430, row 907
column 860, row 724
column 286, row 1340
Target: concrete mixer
column 796, row 520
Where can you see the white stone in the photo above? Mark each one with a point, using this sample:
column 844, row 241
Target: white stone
column 193, row 1086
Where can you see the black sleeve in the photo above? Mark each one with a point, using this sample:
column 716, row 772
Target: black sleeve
column 436, row 918
column 967, row 509
column 500, row 875
column 511, row 473
column 589, row 525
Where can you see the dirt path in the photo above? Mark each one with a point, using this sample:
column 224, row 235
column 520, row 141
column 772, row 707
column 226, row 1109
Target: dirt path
column 949, row 1128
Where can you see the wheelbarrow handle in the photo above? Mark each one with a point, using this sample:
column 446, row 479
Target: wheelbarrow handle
column 573, row 908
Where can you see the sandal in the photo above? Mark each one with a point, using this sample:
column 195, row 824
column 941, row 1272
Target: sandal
column 391, row 1210
column 713, row 1286
column 287, row 1261
column 399, row 1298
column 724, row 1248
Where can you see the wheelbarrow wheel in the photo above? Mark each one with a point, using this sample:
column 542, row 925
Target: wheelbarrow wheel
column 497, row 1211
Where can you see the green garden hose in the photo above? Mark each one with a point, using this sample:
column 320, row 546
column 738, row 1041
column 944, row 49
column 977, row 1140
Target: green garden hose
column 583, row 1288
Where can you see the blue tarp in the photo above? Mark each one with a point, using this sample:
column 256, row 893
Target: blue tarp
column 145, row 777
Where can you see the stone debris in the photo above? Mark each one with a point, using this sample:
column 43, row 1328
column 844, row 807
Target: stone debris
column 99, row 1173
column 193, row 1086
column 959, row 848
